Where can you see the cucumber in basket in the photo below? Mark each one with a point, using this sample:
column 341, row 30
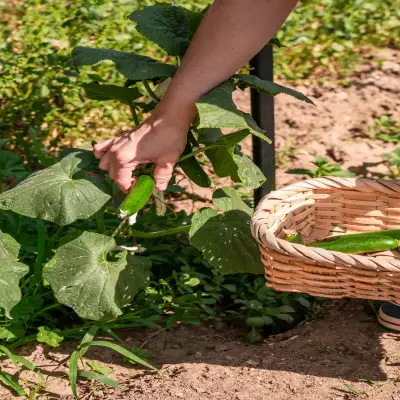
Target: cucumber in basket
column 394, row 233
column 357, row 243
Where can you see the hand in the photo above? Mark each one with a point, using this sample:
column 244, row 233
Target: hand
column 160, row 139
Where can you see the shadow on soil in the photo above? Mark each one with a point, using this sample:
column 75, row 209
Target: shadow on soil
column 344, row 344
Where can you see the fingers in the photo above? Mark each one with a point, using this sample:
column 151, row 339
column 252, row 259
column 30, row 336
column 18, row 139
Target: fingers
column 123, row 177
column 163, row 174
column 104, row 164
column 101, row 148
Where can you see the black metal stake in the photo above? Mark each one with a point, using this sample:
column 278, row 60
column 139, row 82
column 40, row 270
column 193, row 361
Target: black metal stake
column 262, row 109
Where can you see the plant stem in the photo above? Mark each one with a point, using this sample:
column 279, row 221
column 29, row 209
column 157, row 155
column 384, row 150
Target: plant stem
column 43, row 310
column 149, row 235
column 134, row 114
column 150, row 92
column 119, row 227
column 193, row 153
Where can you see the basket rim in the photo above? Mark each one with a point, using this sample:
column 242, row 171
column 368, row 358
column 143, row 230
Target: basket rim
column 267, row 239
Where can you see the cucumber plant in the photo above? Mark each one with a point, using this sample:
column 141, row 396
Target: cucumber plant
column 95, row 271
column 146, row 80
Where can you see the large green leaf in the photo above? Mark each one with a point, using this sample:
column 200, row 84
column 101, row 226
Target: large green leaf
column 268, row 87
column 126, row 95
column 226, row 241
column 131, row 65
column 11, row 271
column 217, row 110
column 228, row 199
column 248, row 172
column 228, row 160
column 171, row 27
column 166, row 26
column 60, row 193
column 83, row 278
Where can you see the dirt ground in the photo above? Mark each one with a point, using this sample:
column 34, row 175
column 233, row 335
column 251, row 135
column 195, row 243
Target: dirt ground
column 342, row 355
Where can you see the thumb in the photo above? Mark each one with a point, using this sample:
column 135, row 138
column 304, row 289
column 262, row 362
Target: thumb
column 163, row 174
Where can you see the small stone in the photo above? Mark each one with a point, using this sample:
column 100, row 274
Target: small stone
column 198, row 354
column 252, row 363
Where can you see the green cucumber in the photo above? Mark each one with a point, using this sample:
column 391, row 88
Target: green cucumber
column 395, row 234
column 358, row 244
column 193, row 169
column 137, row 197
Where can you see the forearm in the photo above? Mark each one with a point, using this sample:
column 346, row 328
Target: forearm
column 231, row 33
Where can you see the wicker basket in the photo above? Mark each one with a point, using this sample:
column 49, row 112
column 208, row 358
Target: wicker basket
column 314, row 208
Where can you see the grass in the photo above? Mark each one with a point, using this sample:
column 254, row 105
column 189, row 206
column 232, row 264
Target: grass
column 328, row 37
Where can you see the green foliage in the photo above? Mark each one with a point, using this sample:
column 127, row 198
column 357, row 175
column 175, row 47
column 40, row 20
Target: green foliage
column 98, row 367
column 386, row 129
column 60, row 193
column 11, row 273
column 125, row 95
column 324, row 168
column 228, row 199
column 83, row 278
column 79, row 258
column 166, row 26
column 225, row 241
column 94, row 376
column 130, row 65
column 268, row 87
column 50, row 337
column 193, row 170
column 40, row 90
column 217, row 110
column 228, row 160
column 326, row 36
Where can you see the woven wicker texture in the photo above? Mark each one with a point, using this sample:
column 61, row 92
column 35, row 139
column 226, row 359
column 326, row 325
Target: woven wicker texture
column 315, row 208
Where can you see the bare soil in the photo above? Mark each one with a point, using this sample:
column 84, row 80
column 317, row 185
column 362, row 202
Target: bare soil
column 343, row 355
